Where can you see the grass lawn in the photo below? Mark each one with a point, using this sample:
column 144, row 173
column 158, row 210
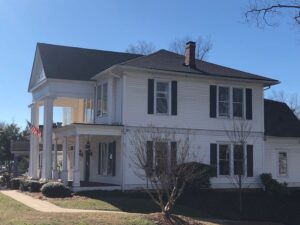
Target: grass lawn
column 15, row 213
column 119, row 201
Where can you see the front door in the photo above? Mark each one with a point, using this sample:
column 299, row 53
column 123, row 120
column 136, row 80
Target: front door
column 87, row 165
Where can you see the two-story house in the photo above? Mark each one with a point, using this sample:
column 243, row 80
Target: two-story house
column 107, row 95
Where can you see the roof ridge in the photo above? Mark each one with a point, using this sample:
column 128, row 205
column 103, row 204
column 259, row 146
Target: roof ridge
column 89, row 49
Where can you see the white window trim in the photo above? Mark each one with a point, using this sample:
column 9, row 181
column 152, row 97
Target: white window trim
column 231, row 102
column 287, row 163
column 101, row 114
column 169, row 97
column 231, row 159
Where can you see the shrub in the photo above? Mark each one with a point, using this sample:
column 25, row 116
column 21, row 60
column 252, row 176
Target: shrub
column 23, row 185
column 55, row 190
column 34, row 186
column 201, row 180
column 15, row 183
column 266, row 179
column 272, row 186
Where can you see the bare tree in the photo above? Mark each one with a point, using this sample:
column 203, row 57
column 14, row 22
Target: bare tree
column 238, row 135
column 293, row 101
column 202, row 46
column 163, row 166
column 141, row 47
column 265, row 12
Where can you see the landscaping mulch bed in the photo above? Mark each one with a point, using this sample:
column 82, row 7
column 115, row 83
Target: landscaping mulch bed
column 160, row 219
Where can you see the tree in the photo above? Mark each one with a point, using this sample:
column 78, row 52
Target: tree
column 8, row 132
column 202, row 46
column 266, row 12
column 238, row 136
column 293, row 101
column 141, row 47
column 160, row 158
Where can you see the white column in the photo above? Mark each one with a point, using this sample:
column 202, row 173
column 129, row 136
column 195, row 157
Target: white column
column 76, row 172
column 47, row 139
column 54, row 162
column 64, row 173
column 34, row 144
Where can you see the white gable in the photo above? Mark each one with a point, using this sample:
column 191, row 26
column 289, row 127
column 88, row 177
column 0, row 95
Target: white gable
column 38, row 73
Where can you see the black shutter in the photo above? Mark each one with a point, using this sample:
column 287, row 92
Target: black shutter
column 213, row 101
column 174, row 97
column 99, row 158
column 114, row 158
column 173, row 154
column 250, row 160
column 149, row 160
column 248, row 104
column 150, row 96
column 213, row 159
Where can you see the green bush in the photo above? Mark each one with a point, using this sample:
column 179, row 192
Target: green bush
column 23, row 185
column 34, row 186
column 272, row 186
column 55, row 190
column 202, row 174
column 15, row 183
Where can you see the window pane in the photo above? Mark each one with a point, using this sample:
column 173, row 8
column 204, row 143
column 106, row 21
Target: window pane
column 237, row 102
column 99, row 100
column 282, row 163
column 238, row 160
column 162, row 87
column 223, row 101
column 224, row 160
column 224, row 94
column 162, row 97
column 161, row 157
column 104, row 102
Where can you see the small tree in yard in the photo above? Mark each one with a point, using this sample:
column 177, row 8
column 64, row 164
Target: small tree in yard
column 238, row 136
column 160, row 158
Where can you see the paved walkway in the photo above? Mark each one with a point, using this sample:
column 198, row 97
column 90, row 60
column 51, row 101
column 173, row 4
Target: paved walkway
column 44, row 206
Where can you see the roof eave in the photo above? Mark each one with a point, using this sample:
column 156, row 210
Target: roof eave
column 266, row 83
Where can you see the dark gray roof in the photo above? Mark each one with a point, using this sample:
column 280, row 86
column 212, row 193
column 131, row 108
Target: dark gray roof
column 280, row 121
column 71, row 63
column 169, row 61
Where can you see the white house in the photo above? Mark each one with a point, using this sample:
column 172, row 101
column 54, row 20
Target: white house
column 105, row 96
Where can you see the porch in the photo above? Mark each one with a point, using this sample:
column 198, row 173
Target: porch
column 91, row 156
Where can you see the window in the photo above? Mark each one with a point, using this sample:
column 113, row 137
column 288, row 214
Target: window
column 162, row 97
column 238, row 157
column 224, row 159
column 102, row 99
column 223, row 101
column 161, row 157
column 282, row 163
column 164, row 156
column 88, row 110
column 106, row 159
column 237, row 102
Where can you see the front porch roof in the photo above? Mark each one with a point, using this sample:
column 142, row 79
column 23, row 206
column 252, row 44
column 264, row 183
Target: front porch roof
column 88, row 129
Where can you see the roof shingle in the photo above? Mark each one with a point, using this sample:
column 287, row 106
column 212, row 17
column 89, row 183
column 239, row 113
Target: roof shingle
column 280, row 121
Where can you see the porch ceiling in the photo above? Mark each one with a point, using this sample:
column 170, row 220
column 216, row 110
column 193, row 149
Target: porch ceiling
column 88, row 129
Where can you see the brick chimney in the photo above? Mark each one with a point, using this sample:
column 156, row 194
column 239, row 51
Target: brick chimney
column 190, row 48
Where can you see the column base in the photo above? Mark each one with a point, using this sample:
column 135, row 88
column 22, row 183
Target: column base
column 54, row 174
column 76, row 179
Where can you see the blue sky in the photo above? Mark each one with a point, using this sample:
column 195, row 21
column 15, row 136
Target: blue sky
column 114, row 24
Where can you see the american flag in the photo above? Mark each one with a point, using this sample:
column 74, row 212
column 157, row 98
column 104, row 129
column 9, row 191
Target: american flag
column 34, row 130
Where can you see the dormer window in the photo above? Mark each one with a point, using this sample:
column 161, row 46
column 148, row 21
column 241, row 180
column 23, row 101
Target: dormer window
column 102, row 99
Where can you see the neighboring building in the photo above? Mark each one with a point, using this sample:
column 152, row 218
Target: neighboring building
column 107, row 95
column 20, row 151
